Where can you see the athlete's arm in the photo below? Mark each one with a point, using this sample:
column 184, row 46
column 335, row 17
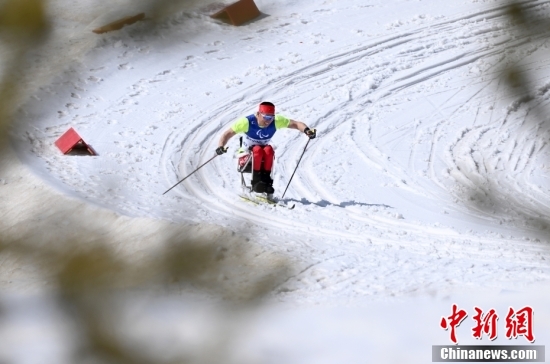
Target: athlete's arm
column 298, row 125
column 228, row 134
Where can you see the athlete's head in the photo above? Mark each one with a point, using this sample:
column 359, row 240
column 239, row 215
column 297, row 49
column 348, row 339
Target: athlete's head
column 266, row 112
column 267, row 108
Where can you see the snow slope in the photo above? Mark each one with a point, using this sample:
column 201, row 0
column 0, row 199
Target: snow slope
column 429, row 175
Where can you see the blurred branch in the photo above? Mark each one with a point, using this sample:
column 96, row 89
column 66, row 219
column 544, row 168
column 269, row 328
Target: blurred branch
column 22, row 21
column 87, row 277
column 22, row 27
column 524, row 119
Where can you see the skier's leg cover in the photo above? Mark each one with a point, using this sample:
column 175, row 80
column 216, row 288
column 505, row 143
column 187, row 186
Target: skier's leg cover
column 258, row 152
column 269, row 153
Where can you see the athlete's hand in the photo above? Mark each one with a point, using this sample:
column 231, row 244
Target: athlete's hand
column 221, row 150
column 311, row 133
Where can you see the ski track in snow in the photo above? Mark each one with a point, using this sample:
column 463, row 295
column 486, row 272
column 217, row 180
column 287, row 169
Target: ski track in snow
column 421, row 164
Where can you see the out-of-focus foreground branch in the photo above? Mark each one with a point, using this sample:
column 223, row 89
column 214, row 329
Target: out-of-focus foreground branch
column 23, row 25
column 92, row 283
column 505, row 181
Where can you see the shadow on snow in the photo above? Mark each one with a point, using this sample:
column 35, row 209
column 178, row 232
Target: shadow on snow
column 325, row 203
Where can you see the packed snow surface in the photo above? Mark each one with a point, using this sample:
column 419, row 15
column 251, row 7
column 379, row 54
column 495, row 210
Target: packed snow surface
column 429, row 175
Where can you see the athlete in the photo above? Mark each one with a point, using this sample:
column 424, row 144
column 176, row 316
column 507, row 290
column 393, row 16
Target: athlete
column 258, row 130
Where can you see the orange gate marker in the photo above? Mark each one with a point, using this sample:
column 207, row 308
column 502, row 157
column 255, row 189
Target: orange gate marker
column 238, row 13
column 71, row 140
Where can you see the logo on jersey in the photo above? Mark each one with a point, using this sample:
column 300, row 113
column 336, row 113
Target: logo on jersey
column 262, row 135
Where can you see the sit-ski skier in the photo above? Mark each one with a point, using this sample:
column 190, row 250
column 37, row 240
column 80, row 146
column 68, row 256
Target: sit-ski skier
column 258, row 129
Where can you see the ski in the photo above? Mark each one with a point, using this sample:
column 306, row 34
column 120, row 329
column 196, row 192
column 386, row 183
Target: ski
column 259, row 200
column 250, row 199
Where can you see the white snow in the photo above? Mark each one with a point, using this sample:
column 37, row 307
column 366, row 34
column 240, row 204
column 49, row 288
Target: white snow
column 427, row 184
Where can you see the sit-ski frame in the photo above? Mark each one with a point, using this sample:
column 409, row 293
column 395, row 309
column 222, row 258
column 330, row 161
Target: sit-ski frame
column 247, row 167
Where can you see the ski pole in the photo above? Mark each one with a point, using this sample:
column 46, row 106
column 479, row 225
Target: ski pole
column 202, row 165
column 297, row 164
